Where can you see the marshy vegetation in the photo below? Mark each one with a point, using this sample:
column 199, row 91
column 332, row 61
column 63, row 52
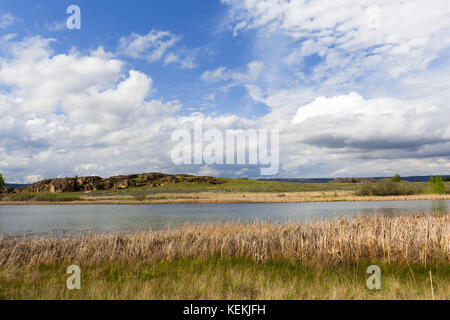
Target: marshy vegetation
column 323, row 259
column 389, row 188
column 397, row 187
column 415, row 238
column 42, row 197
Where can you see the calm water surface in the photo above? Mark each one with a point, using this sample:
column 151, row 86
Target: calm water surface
column 47, row 219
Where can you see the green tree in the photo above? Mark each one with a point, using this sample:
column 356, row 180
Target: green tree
column 440, row 186
column 2, row 181
column 431, row 182
column 436, row 185
column 396, row 178
column 429, row 189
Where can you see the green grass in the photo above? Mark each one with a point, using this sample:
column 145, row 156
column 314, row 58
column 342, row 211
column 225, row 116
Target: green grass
column 43, row 197
column 249, row 186
column 232, row 278
column 389, row 188
column 230, row 185
column 257, row 186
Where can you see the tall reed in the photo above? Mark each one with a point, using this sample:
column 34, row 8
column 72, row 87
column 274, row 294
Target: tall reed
column 414, row 238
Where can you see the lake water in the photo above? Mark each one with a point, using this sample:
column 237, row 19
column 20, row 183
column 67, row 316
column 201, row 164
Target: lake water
column 47, row 219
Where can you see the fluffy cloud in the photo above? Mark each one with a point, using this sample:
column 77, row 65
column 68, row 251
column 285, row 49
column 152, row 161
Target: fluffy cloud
column 358, row 88
column 348, row 39
column 156, row 46
column 365, row 99
column 85, row 114
column 186, row 62
column 350, row 121
column 56, row 26
column 151, row 46
column 348, row 135
column 254, row 69
column 63, row 110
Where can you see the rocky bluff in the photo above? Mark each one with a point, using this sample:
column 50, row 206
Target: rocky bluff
column 86, row 184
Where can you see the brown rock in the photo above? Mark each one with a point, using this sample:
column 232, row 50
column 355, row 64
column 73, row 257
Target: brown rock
column 88, row 184
column 6, row 190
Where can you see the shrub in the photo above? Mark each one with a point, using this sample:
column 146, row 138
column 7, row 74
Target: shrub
column 57, row 197
column 140, row 196
column 396, row 178
column 388, row 188
column 435, row 186
column 24, row 196
column 49, row 197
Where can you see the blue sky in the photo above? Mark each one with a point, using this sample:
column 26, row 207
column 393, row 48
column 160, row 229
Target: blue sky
column 356, row 88
column 199, row 24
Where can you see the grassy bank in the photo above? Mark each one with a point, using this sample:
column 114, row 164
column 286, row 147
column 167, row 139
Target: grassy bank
column 231, row 197
column 238, row 190
column 324, row 259
column 213, row 197
column 229, row 186
column 230, row 278
column 249, row 186
column 42, row 197
column 389, row 188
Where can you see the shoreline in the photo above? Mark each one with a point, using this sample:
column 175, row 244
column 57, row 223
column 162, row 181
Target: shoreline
column 234, row 198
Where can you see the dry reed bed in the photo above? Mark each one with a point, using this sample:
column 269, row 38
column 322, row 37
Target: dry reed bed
column 236, row 197
column 416, row 238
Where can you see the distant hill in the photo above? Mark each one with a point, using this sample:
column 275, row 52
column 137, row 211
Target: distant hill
column 421, row 178
column 325, row 180
column 301, row 180
column 16, row 185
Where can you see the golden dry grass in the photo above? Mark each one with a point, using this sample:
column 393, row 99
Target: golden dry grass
column 416, row 238
column 237, row 197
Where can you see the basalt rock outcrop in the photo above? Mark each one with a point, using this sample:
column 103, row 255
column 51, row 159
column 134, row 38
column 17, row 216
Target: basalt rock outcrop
column 92, row 183
column 6, row 190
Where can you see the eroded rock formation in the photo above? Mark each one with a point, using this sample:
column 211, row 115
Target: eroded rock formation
column 6, row 190
column 87, row 184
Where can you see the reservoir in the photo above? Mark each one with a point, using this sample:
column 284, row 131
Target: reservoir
column 43, row 220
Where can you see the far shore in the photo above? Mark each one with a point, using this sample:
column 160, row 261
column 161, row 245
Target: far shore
column 232, row 197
